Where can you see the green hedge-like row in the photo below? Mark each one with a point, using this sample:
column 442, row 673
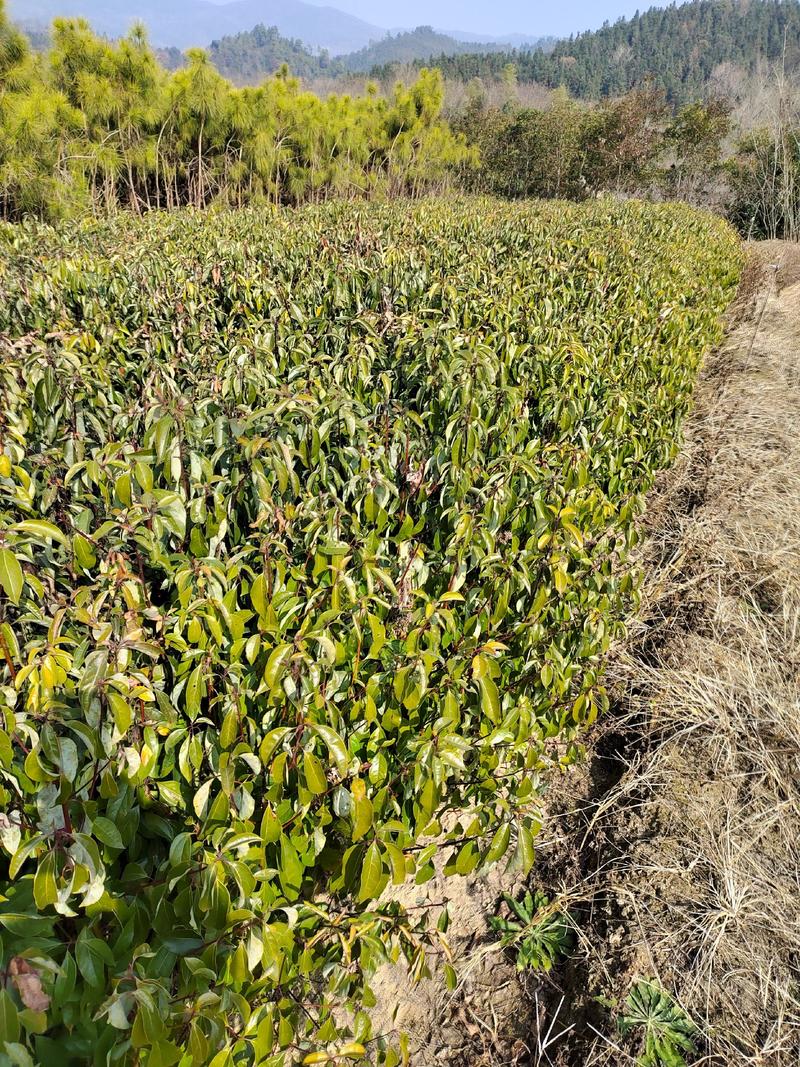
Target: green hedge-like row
column 314, row 530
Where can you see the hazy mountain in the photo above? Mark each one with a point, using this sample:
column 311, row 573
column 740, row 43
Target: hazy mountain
column 247, row 58
column 515, row 40
column 420, row 44
column 183, row 23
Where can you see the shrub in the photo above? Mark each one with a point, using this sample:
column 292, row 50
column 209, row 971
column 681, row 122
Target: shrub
column 314, row 531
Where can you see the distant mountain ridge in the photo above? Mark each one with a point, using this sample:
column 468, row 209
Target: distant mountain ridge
column 417, row 45
column 247, row 58
column 251, row 54
column 186, row 23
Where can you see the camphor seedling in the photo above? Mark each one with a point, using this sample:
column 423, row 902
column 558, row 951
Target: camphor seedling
column 668, row 1030
column 539, row 935
column 281, row 589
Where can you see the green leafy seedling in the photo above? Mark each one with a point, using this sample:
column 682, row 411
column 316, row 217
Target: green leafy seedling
column 538, row 932
column 668, row 1030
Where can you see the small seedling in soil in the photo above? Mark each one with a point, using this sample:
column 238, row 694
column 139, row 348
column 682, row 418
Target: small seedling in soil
column 537, row 933
column 668, row 1030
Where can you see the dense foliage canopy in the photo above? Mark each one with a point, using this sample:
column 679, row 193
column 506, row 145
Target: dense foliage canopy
column 632, row 145
column 314, row 530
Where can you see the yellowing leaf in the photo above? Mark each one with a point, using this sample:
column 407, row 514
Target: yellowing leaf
column 352, row 1050
column 276, row 664
column 335, row 744
column 195, row 691
column 327, row 647
column 41, row 530
column 12, row 578
column 315, row 775
column 490, row 699
column 362, row 809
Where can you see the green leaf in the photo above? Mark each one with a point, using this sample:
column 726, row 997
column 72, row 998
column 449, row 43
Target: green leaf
column 45, row 889
column 290, row 869
column 12, row 578
column 94, row 669
column 273, row 739
column 105, row 830
column 22, row 854
column 9, row 1018
column 92, row 957
column 195, row 691
column 121, row 709
column 378, row 633
column 230, row 729
column 490, row 699
column 499, row 845
column 525, row 853
column 200, row 799
column 68, row 761
column 371, row 873
column 467, row 859
column 18, row 1054
column 183, row 946
column 26, row 925
column 258, row 594
column 173, row 510
column 398, row 863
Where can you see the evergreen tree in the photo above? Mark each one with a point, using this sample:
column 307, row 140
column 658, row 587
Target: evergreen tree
column 99, row 124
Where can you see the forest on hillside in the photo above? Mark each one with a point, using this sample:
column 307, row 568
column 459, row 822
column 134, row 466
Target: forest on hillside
column 675, row 49
column 247, row 58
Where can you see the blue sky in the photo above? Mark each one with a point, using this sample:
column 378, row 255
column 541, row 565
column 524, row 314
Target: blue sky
column 491, row 16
